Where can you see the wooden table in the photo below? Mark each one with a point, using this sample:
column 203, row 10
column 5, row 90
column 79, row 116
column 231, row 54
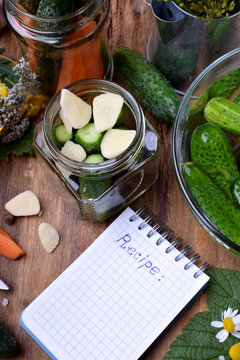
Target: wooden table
column 130, row 23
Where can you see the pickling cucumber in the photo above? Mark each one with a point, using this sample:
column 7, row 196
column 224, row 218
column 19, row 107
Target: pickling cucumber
column 60, row 134
column 89, row 138
column 211, row 150
column 218, row 207
column 224, row 113
column 222, row 87
column 237, row 99
column 30, row 5
column 147, row 83
column 8, row 345
column 54, row 8
column 94, row 158
column 91, row 187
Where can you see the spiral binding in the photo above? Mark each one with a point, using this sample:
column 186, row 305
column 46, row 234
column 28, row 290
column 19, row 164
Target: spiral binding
column 167, row 234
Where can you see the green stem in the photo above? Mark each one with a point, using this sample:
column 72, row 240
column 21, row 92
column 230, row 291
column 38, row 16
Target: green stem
column 10, row 82
column 9, row 59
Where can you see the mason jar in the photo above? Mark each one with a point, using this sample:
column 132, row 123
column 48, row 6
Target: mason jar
column 63, row 49
column 114, row 183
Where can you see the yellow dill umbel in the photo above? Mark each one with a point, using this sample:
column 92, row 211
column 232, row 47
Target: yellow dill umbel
column 208, row 9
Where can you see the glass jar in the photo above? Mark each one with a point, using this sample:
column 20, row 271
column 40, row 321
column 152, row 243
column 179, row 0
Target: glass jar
column 181, row 46
column 113, row 183
column 66, row 48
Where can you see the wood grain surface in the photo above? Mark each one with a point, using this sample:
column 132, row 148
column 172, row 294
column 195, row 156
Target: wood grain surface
column 130, row 23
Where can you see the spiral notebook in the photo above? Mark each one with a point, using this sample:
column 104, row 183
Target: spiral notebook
column 118, row 296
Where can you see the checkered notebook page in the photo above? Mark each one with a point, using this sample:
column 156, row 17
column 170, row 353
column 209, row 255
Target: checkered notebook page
column 115, row 299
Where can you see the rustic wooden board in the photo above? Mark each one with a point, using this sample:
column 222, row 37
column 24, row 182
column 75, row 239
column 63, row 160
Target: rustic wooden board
column 130, row 23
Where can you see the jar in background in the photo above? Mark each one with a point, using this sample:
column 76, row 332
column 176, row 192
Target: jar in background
column 66, row 48
column 128, row 176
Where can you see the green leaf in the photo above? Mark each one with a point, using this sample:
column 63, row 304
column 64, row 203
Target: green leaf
column 19, row 147
column 223, row 291
column 198, row 341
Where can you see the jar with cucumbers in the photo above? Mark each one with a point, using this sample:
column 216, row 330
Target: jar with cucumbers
column 206, row 149
column 95, row 138
column 63, row 40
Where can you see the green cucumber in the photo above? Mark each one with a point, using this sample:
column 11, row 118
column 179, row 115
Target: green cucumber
column 235, row 189
column 60, row 135
column 222, row 87
column 8, row 345
column 219, row 208
column 237, row 99
column 30, row 5
column 92, row 187
column 147, row 83
column 224, row 113
column 211, row 150
column 94, row 158
column 55, row 8
column 89, row 138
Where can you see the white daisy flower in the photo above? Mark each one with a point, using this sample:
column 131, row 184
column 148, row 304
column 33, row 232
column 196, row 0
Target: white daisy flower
column 221, row 357
column 230, row 324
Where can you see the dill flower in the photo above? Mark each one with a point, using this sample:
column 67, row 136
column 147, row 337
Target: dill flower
column 18, row 103
column 207, row 10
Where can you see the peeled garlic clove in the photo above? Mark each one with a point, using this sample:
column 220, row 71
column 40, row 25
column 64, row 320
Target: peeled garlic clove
column 23, row 204
column 49, row 236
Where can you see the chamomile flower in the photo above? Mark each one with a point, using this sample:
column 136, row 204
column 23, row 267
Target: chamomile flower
column 234, row 352
column 230, row 324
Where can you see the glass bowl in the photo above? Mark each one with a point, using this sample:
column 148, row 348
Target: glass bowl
column 182, row 130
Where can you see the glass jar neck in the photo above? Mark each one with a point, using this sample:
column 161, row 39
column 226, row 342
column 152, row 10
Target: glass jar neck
column 93, row 10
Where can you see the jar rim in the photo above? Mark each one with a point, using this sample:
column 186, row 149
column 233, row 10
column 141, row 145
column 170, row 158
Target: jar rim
column 110, row 166
column 77, row 12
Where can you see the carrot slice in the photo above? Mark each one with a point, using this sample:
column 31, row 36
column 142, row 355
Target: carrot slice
column 84, row 61
column 8, row 247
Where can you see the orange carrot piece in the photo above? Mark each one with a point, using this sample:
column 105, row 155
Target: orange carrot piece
column 8, row 247
column 84, row 61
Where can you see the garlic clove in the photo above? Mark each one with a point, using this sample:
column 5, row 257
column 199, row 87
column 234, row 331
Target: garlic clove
column 49, row 236
column 23, row 204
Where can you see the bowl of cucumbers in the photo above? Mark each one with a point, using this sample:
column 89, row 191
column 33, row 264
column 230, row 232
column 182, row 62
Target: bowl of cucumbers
column 206, row 150
column 95, row 138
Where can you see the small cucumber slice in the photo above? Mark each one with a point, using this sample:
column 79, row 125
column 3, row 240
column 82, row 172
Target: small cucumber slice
column 94, row 158
column 89, row 138
column 106, row 110
column 75, row 109
column 61, row 134
column 74, row 151
column 91, row 187
column 115, row 142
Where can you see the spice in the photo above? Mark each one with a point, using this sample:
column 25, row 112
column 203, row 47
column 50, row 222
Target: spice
column 9, row 218
column 15, row 107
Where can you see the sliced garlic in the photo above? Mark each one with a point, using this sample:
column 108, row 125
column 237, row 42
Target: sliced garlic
column 23, row 204
column 49, row 236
